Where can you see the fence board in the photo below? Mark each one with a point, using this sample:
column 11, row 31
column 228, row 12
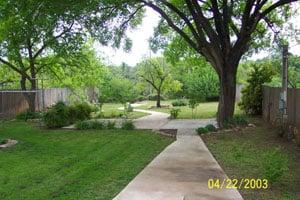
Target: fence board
column 271, row 97
column 14, row 102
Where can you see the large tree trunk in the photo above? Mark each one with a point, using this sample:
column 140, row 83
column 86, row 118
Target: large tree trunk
column 227, row 94
column 158, row 100
column 31, row 95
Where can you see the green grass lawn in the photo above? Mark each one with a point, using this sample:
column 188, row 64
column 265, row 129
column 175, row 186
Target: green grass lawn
column 110, row 110
column 203, row 111
column 61, row 164
column 244, row 154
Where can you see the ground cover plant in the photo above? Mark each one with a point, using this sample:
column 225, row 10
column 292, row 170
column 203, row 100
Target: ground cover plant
column 259, row 153
column 64, row 164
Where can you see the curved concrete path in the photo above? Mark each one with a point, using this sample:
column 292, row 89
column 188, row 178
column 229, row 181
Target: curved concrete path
column 182, row 170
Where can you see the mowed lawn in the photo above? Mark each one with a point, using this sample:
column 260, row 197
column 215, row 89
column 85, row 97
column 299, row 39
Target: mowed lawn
column 244, row 154
column 111, row 110
column 203, row 111
column 57, row 164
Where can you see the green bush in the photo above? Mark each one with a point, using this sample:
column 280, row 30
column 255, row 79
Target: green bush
column 275, row 164
column 202, row 130
column 57, row 116
column 211, row 128
column 174, row 113
column 24, row 116
column 252, row 94
column 179, row 102
column 236, row 120
column 128, row 125
column 80, row 112
column 111, row 125
column 86, row 125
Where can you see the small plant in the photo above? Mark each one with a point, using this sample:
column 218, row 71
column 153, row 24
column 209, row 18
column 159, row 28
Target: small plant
column 275, row 165
column 174, row 113
column 236, row 120
column 179, row 102
column 111, row 125
column 128, row 125
column 25, row 116
column 211, row 128
column 86, row 125
column 57, row 116
column 202, row 130
column 193, row 103
column 129, row 108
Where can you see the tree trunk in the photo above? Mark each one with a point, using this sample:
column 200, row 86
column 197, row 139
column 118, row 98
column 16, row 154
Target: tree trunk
column 227, row 94
column 29, row 96
column 158, row 100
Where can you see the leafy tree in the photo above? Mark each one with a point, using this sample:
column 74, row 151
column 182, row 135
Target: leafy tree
column 32, row 30
column 221, row 31
column 252, row 94
column 156, row 72
column 121, row 90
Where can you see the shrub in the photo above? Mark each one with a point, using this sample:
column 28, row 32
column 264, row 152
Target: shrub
column 202, row 130
column 28, row 115
column 174, row 113
column 80, row 112
column 111, row 125
column 236, row 120
column 275, row 165
column 57, row 116
column 85, row 125
column 211, row 128
column 128, row 125
column 179, row 102
column 252, row 96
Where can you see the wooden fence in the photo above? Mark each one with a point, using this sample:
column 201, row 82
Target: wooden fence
column 271, row 98
column 14, row 102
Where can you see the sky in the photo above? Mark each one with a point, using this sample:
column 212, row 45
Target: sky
column 140, row 47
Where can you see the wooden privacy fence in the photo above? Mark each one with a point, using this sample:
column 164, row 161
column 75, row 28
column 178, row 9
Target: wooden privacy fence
column 14, row 102
column 271, row 98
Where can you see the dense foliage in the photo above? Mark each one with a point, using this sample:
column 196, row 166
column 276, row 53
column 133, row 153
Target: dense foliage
column 61, row 115
column 252, row 94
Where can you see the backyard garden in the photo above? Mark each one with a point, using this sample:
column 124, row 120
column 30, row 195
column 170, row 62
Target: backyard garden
column 76, row 123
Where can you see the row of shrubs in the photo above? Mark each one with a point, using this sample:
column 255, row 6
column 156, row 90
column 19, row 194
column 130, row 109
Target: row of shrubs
column 61, row 115
column 101, row 125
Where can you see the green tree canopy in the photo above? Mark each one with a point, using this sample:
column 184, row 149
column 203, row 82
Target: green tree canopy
column 157, row 73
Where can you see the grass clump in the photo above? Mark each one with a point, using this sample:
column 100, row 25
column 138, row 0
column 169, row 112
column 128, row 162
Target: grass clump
column 275, row 165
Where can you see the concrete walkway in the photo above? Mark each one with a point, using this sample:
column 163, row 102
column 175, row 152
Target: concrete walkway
column 182, row 170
